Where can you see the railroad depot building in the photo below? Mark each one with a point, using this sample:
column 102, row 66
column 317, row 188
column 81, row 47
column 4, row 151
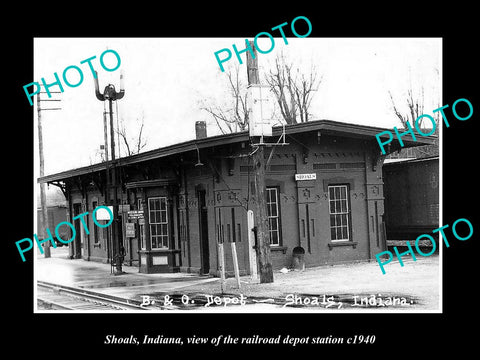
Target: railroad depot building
column 324, row 192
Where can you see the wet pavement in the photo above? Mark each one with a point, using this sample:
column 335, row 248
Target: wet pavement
column 349, row 287
column 89, row 275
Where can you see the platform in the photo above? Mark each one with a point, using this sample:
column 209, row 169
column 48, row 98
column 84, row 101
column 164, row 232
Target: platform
column 94, row 276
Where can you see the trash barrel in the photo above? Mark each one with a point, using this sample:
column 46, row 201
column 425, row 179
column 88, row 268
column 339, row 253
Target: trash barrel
column 298, row 258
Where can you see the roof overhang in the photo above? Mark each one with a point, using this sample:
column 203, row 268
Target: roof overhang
column 324, row 126
column 151, row 183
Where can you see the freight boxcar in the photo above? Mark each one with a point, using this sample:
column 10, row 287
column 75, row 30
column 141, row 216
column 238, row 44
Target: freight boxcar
column 411, row 188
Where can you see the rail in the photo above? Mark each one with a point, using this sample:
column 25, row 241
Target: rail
column 61, row 297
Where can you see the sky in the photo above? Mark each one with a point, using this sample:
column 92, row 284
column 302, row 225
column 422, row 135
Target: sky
column 167, row 80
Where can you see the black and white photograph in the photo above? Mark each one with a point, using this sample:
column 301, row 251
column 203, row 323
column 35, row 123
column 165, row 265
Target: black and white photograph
column 256, row 185
column 273, row 184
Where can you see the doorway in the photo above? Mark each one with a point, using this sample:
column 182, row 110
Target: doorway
column 78, row 241
column 203, row 231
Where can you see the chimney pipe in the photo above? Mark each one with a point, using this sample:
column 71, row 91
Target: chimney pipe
column 200, row 130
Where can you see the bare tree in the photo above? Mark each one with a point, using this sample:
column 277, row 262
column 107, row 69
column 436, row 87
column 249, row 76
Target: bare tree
column 280, row 82
column 293, row 90
column 133, row 144
column 235, row 116
column 415, row 108
column 304, row 91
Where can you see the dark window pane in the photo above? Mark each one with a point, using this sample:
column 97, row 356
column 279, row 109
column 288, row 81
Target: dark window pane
column 337, row 192
column 331, row 192
column 333, row 234
column 338, row 219
column 274, row 210
column 273, row 225
column 338, row 206
column 274, row 238
column 339, row 233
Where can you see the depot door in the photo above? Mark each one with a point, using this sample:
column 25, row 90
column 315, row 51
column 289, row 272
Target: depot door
column 203, row 231
column 77, row 242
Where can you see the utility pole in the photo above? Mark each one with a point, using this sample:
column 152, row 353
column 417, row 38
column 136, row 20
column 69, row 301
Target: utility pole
column 111, row 95
column 43, row 198
column 263, row 239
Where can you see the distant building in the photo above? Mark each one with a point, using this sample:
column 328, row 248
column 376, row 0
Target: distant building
column 56, row 207
column 194, row 194
column 417, row 152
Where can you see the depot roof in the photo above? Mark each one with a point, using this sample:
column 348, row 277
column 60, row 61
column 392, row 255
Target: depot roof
column 325, row 126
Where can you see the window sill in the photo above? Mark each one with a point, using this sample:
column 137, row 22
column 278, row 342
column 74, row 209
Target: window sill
column 158, row 251
column 331, row 245
column 279, row 248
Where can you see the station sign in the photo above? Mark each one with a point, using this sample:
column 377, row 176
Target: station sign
column 305, row 176
column 135, row 214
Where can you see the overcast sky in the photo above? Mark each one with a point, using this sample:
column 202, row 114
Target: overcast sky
column 167, row 78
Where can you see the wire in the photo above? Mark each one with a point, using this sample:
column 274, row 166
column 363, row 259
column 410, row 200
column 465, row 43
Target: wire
column 254, row 151
column 271, row 152
column 118, row 129
column 298, row 142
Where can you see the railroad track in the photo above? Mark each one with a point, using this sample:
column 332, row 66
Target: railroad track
column 59, row 297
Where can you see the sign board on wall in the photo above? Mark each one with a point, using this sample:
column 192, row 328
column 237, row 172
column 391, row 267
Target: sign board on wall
column 135, row 214
column 123, row 208
column 103, row 214
column 129, row 229
column 306, row 176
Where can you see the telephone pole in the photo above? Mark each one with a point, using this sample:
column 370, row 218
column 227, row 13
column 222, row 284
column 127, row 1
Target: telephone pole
column 263, row 239
column 43, row 197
